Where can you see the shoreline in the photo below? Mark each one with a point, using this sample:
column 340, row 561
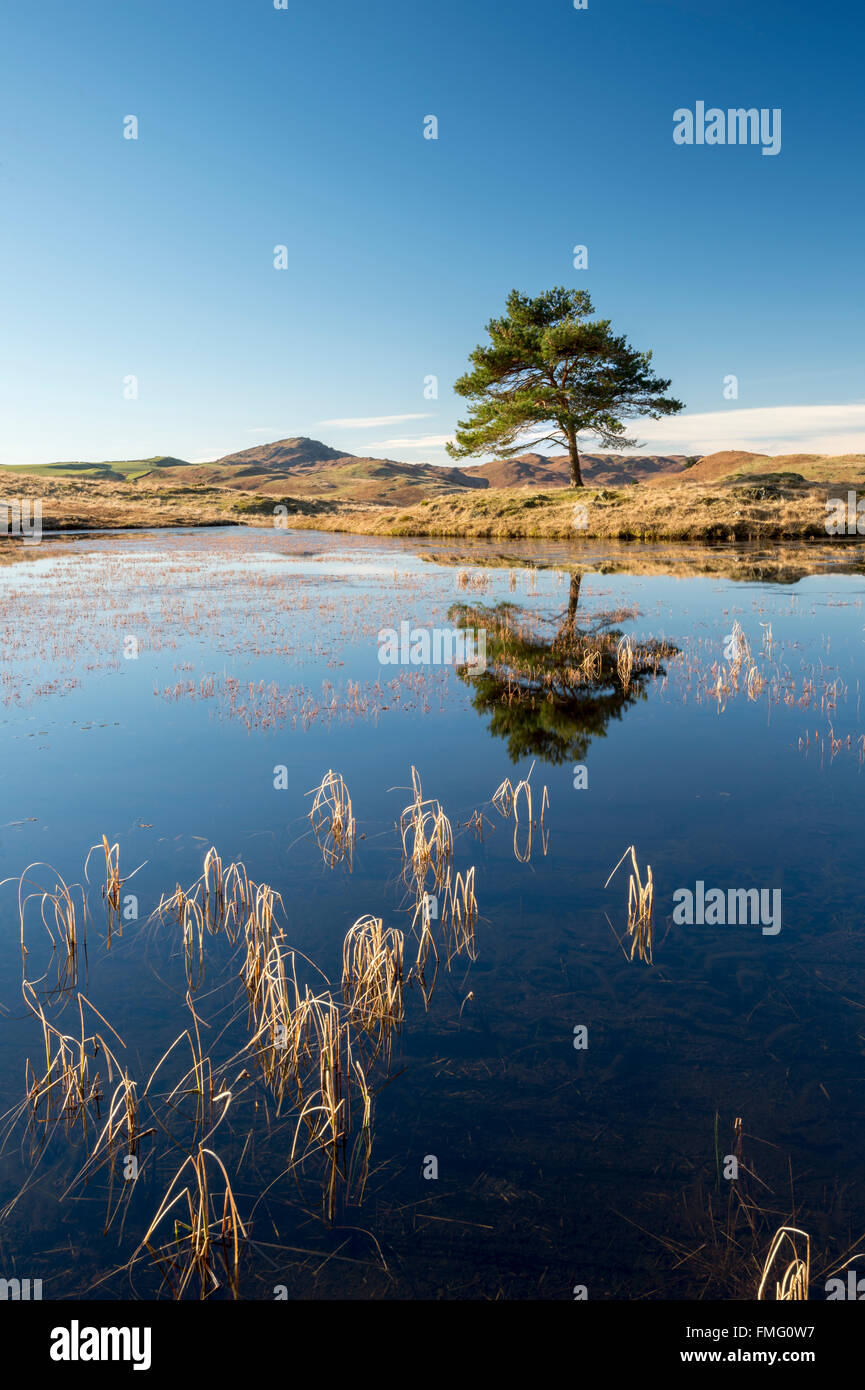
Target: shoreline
column 739, row 510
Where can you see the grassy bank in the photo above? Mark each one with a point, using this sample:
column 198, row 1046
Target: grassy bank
column 80, row 503
column 754, row 511
column 769, row 507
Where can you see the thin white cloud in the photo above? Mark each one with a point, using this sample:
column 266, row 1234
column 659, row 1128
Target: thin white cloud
column 260, row 429
column 363, row 422
column 776, row 429
column 422, row 441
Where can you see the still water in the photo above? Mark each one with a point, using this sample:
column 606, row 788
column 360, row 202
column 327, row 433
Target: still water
column 551, row 1111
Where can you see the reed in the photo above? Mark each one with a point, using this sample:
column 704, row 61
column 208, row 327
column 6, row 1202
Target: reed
column 333, row 820
column 592, row 664
column 625, row 661
column 209, row 1239
column 259, row 934
column 372, row 977
column 213, row 907
column 63, row 914
column 506, row 799
column 69, row 1086
column 326, row 1113
column 187, row 910
column 427, row 836
column 426, row 939
column 460, row 915
column 503, row 798
column 113, row 882
column 795, row 1275
column 641, row 907
column 284, row 1027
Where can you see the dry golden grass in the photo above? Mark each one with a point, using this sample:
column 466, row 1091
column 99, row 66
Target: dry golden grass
column 686, row 512
column 676, row 510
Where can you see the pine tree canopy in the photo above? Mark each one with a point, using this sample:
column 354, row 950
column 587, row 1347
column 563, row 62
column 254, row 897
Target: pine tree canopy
column 549, row 366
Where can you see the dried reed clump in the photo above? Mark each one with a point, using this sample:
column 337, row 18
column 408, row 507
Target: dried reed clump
column 63, row 914
column 227, row 894
column 427, row 837
column 306, row 1052
column 456, row 910
column 220, row 900
column 326, row 1110
column 260, row 932
column 641, row 908
column 795, row 1276
column 506, row 799
column 625, row 661
column 372, row 976
column 425, row 908
column 332, row 819
column 187, row 910
column 69, row 1087
column 460, row 915
column 209, row 1240
column 113, row 883
column 591, row 665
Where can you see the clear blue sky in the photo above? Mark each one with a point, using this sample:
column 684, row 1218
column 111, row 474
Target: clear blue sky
column 304, row 127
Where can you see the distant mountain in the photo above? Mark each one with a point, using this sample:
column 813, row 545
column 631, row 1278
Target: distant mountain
column 598, row 470
column 307, row 468
column 312, row 472
column 298, row 452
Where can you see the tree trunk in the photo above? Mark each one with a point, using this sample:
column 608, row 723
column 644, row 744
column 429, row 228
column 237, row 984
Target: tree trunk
column 574, row 598
column 574, row 454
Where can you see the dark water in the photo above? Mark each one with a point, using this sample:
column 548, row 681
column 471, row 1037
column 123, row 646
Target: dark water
column 600, row 1166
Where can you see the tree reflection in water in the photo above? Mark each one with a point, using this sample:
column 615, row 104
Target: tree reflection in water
column 550, row 695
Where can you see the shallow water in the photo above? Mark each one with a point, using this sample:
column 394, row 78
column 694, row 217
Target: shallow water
column 152, row 684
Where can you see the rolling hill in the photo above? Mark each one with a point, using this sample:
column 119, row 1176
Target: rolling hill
column 732, row 465
column 308, row 468
column 598, row 470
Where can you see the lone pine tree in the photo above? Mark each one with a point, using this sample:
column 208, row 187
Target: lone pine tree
column 548, row 365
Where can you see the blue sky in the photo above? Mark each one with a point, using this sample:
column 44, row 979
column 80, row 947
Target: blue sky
column 303, row 127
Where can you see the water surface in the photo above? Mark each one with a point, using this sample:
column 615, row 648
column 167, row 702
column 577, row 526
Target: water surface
column 152, row 687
